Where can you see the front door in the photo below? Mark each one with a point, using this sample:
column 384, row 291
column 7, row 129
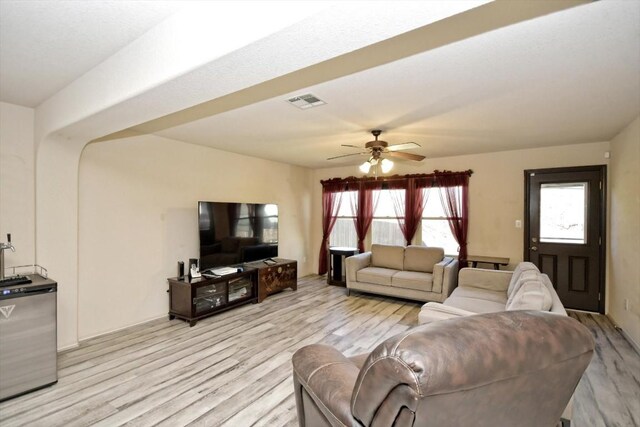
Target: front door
column 564, row 231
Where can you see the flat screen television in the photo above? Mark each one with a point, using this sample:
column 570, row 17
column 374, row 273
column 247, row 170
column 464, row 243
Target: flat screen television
column 234, row 233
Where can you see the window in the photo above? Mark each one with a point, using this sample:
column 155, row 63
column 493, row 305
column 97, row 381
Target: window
column 435, row 225
column 344, row 231
column 385, row 229
column 563, row 212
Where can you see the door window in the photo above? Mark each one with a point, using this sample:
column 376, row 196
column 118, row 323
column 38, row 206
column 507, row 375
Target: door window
column 563, row 212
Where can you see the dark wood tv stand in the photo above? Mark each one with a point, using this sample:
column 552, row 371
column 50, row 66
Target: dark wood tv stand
column 195, row 299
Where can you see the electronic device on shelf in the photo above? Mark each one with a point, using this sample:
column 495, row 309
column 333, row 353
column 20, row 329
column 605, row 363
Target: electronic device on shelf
column 222, row 271
column 234, row 233
column 194, row 271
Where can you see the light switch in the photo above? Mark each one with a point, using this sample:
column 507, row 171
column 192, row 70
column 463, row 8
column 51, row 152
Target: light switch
column 518, row 223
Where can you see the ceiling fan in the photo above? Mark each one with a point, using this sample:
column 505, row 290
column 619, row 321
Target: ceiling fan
column 378, row 152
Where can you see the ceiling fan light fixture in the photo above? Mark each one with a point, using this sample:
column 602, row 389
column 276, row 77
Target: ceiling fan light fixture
column 378, row 150
column 386, row 165
column 364, row 168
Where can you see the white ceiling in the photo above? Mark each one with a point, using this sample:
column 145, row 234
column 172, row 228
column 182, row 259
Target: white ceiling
column 46, row 44
column 569, row 77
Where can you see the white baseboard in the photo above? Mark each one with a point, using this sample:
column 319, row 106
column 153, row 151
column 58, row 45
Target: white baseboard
column 122, row 328
column 68, row 347
column 77, row 344
column 632, row 342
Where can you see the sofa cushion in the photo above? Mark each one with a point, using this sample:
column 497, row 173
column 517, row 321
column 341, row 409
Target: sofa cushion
column 422, row 258
column 474, row 305
column 520, row 268
column 377, row 275
column 480, row 294
column 531, row 295
column 387, row 256
column 413, row 280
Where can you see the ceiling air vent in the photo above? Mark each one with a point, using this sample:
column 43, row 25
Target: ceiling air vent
column 306, row 101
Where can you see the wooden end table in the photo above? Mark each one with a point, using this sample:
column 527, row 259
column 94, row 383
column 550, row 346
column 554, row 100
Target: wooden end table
column 496, row 261
column 337, row 255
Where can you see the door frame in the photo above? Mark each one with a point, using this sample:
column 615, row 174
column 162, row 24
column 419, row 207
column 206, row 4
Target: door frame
column 602, row 169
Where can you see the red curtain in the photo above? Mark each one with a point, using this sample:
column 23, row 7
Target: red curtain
column 331, row 199
column 363, row 206
column 408, row 206
column 454, row 195
column 454, row 188
column 253, row 219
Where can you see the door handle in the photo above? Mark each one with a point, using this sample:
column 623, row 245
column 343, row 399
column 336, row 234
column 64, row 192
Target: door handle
column 534, row 248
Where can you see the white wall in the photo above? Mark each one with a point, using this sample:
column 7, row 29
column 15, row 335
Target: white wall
column 138, row 218
column 17, row 183
column 496, row 191
column 624, row 235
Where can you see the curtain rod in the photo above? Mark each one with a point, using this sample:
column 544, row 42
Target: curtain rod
column 354, row 179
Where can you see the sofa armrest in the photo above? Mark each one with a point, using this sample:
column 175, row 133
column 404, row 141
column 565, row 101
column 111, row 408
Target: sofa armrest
column 355, row 263
column 434, row 311
column 450, row 277
column 445, row 276
column 493, row 280
column 328, row 378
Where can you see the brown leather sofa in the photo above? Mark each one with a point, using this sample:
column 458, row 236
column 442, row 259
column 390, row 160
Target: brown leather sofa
column 515, row 368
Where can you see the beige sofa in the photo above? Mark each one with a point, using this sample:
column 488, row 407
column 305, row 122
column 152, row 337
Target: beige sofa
column 489, row 291
column 414, row 272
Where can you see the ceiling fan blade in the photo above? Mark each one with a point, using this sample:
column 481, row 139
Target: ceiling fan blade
column 351, row 146
column 405, row 146
column 406, row 156
column 347, row 155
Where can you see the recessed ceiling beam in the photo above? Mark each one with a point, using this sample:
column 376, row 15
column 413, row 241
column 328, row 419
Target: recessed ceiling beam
column 473, row 22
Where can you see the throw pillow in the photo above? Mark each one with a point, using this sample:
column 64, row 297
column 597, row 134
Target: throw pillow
column 524, row 277
column 532, row 295
column 520, row 268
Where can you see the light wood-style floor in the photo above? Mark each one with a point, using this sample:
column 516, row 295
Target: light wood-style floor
column 234, row 369
column 609, row 393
